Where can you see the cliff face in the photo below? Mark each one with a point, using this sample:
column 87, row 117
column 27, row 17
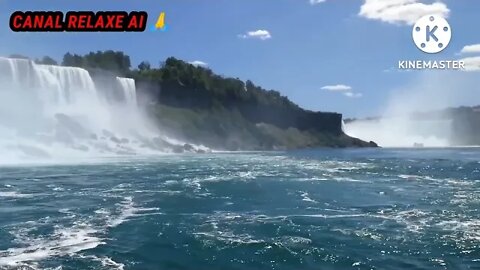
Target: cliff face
column 276, row 110
column 245, row 121
column 465, row 125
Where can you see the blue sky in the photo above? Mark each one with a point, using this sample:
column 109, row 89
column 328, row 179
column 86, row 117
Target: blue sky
column 297, row 47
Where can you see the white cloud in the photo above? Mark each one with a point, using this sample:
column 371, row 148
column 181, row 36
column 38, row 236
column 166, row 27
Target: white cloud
column 338, row 87
column 353, row 95
column 315, row 2
column 346, row 90
column 475, row 48
column 198, row 63
column 472, row 63
column 259, row 34
column 401, row 11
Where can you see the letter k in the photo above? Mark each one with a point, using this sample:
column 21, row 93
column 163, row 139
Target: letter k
column 431, row 33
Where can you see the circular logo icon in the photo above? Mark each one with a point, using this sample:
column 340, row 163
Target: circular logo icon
column 432, row 34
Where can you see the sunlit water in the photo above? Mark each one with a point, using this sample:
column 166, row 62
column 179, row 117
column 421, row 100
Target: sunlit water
column 318, row 209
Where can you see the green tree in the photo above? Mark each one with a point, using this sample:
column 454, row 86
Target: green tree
column 144, row 65
column 72, row 60
column 109, row 60
column 46, row 60
column 19, row 56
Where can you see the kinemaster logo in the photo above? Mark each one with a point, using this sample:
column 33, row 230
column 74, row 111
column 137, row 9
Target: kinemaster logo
column 431, row 34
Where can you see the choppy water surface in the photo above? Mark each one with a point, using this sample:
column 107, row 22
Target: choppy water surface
column 318, row 209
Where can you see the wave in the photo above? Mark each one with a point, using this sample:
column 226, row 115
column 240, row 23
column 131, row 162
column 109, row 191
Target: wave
column 14, row 194
column 85, row 233
column 306, row 198
column 62, row 242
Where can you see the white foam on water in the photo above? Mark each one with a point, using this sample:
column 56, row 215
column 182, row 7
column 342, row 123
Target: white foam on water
column 306, row 198
column 414, row 220
column 104, row 261
column 127, row 211
column 14, row 194
column 108, row 262
column 332, row 216
column 462, row 229
column 64, row 241
column 332, row 166
column 294, row 241
column 227, row 237
column 86, row 233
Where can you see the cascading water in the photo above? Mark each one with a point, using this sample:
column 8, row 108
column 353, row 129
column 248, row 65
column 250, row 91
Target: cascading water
column 72, row 83
column 129, row 93
column 51, row 113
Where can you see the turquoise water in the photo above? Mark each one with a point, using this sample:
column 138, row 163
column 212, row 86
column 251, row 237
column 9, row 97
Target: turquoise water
column 316, row 209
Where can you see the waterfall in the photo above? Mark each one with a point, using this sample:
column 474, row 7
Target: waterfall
column 402, row 131
column 129, row 93
column 55, row 113
column 53, row 84
column 72, row 83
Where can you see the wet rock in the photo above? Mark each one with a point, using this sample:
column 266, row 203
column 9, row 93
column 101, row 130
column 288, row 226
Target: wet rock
column 178, row 149
column 372, row 144
column 188, row 147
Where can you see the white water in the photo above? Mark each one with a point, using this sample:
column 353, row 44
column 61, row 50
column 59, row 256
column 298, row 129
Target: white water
column 431, row 92
column 55, row 113
column 128, row 90
column 401, row 132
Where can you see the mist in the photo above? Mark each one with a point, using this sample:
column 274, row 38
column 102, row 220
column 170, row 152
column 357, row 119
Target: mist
column 55, row 114
column 415, row 113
